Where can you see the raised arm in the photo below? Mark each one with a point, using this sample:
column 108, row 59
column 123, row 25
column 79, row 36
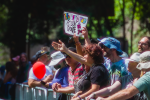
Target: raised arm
column 61, row 47
column 85, row 33
column 78, row 45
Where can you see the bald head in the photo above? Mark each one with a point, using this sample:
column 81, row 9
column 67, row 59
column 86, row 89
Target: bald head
column 144, row 44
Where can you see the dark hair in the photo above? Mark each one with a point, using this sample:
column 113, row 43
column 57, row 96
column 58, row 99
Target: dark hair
column 148, row 40
column 95, row 52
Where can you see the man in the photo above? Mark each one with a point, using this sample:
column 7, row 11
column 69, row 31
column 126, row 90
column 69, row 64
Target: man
column 116, row 66
column 33, row 81
column 61, row 75
column 123, row 82
column 142, row 84
column 144, row 44
column 74, row 72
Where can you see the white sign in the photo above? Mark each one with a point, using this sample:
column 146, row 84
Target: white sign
column 74, row 23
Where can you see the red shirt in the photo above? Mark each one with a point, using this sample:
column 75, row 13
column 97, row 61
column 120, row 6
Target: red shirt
column 74, row 74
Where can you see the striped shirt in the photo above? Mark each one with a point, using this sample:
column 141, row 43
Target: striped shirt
column 74, row 74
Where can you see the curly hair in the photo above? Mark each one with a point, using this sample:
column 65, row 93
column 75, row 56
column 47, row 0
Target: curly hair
column 95, row 52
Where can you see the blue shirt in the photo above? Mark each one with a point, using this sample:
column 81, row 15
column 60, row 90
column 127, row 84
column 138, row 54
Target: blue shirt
column 116, row 69
column 61, row 77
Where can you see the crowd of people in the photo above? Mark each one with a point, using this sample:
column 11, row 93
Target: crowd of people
column 95, row 70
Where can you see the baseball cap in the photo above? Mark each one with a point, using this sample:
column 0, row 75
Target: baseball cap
column 41, row 53
column 111, row 43
column 56, row 58
column 144, row 61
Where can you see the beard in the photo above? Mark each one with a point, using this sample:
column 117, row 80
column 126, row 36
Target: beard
column 140, row 49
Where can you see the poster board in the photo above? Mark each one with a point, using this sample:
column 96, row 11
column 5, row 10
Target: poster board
column 74, row 23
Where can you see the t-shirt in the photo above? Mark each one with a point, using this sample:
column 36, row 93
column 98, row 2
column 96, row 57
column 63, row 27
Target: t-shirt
column 32, row 76
column 98, row 74
column 117, row 69
column 74, row 74
column 126, row 81
column 61, row 77
column 143, row 84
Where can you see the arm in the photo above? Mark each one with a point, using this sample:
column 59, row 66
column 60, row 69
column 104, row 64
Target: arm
column 106, row 91
column 77, row 57
column 94, row 88
column 124, row 94
column 57, row 88
column 85, row 33
column 78, row 45
column 33, row 83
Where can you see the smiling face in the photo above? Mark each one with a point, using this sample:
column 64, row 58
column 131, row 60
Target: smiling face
column 143, row 45
column 88, row 58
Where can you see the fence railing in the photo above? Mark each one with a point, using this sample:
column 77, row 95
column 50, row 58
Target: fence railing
column 24, row 92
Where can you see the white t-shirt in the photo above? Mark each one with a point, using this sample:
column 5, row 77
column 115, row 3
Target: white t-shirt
column 32, row 76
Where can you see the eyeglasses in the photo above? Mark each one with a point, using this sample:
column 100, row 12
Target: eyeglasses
column 102, row 46
column 143, row 44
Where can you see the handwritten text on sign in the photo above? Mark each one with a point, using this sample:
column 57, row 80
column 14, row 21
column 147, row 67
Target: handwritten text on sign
column 73, row 23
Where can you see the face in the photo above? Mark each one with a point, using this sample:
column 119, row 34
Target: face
column 69, row 61
column 23, row 58
column 88, row 58
column 44, row 58
column 106, row 51
column 132, row 67
column 143, row 45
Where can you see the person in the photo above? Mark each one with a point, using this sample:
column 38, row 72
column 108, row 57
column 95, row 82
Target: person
column 97, row 78
column 24, row 67
column 61, row 75
column 116, row 65
column 124, row 82
column 144, row 44
column 16, row 61
column 33, row 81
column 142, row 84
column 46, row 48
column 11, row 73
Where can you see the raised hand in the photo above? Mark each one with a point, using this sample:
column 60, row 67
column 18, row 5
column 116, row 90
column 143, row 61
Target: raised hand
column 85, row 32
column 59, row 46
column 76, row 38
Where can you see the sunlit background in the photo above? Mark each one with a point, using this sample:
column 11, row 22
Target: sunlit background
column 27, row 25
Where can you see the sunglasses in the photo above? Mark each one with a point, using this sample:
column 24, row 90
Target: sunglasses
column 102, row 46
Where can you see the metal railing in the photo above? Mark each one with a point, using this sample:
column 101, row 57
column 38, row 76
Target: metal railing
column 24, row 92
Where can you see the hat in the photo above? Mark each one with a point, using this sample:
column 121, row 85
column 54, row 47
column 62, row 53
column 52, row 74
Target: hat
column 111, row 43
column 40, row 53
column 16, row 58
column 144, row 61
column 135, row 57
column 56, row 58
column 124, row 55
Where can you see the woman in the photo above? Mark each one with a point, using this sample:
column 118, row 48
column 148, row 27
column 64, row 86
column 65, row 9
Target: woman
column 96, row 78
